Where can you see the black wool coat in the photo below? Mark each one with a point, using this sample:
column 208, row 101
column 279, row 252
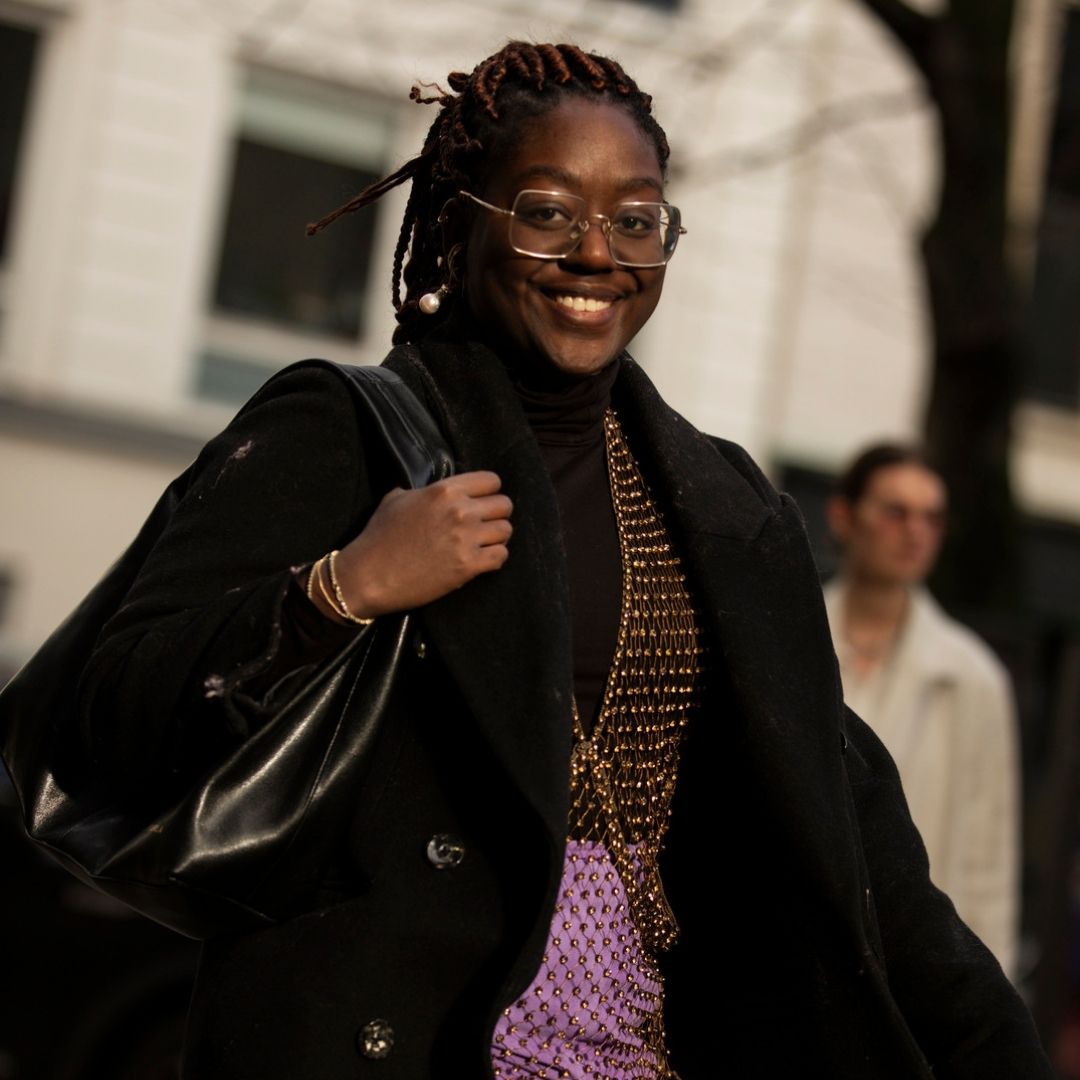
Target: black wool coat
column 813, row 943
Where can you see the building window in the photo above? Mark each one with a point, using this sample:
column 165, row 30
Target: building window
column 18, row 48
column 269, row 269
column 277, row 294
column 1053, row 323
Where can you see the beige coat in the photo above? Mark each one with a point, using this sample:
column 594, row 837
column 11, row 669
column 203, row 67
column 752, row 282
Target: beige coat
column 943, row 706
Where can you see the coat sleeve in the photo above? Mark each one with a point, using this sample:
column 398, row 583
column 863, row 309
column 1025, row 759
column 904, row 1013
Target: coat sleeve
column 285, row 482
column 952, row 994
column 984, row 882
column 938, row 980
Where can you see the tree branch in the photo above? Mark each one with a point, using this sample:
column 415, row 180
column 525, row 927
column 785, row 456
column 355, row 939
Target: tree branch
column 755, row 32
column 911, row 28
column 802, row 136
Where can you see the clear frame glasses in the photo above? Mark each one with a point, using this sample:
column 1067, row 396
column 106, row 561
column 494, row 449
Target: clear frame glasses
column 551, row 224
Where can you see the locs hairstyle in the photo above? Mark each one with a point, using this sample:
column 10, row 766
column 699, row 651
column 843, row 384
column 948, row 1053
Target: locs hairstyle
column 481, row 119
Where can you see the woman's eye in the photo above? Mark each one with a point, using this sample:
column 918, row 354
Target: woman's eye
column 545, row 215
column 636, row 221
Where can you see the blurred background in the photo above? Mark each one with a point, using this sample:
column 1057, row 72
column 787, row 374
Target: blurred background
column 883, row 203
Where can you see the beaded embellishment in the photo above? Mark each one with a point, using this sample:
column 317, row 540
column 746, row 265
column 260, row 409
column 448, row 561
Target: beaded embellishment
column 595, row 1008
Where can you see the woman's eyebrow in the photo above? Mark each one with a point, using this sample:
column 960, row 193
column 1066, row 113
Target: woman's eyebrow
column 548, row 172
column 570, row 180
column 639, row 182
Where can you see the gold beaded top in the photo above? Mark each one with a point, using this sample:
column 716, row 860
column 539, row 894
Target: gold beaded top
column 595, row 1006
column 623, row 778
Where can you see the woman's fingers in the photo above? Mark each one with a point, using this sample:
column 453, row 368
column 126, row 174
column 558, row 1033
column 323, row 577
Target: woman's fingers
column 477, row 483
column 493, row 507
column 494, row 532
column 421, row 544
column 470, row 496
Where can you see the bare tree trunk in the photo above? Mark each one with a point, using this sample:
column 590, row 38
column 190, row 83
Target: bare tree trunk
column 963, row 54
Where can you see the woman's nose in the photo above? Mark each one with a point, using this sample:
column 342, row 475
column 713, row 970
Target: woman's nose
column 593, row 250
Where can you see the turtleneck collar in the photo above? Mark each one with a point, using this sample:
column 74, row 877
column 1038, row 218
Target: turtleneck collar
column 561, row 408
column 565, row 409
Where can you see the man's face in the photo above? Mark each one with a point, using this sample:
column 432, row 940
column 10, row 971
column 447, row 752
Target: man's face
column 892, row 534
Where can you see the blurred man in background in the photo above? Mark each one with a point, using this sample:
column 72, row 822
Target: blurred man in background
column 930, row 688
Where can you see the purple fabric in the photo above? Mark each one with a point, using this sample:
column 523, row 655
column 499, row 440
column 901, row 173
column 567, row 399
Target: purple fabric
column 588, row 1012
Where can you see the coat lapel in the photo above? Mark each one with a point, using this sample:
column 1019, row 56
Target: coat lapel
column 756, row 585
column 505, row 636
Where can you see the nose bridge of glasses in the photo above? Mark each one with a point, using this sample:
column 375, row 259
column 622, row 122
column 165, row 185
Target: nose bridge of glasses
column 581, row 228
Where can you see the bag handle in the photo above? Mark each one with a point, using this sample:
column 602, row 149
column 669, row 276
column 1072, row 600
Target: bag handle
column 405, row 426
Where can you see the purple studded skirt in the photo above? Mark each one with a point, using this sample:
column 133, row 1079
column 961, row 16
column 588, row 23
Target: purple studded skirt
column 593, row 1011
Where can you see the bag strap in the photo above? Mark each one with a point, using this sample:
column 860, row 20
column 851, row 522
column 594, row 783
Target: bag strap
column 407, row 428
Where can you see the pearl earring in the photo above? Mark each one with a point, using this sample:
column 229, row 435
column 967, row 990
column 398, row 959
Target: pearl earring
column 430, row 302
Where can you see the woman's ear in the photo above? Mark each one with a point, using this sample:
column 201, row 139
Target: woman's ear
column 452, row 224
column 450, row 261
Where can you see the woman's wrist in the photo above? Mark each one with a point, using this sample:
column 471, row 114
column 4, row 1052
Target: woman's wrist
column 323, row 588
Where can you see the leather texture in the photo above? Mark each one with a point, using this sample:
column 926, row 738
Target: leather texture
column 236, row 848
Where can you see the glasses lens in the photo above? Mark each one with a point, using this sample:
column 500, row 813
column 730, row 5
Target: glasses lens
column 549, row 224
column 644, row 233
column 546, row 223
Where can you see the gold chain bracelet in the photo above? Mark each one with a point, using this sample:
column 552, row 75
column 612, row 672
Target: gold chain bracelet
column 336, row 598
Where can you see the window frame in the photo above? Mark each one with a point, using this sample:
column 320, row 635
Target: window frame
column 349, row 126
column 38, row 22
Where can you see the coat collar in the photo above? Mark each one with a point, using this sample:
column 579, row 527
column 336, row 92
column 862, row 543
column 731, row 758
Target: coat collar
column 921, row 647
column 926, row 637
column 701, row 490
column 518, row 618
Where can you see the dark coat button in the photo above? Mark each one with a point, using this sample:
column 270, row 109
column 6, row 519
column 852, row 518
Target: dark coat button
column 419, row 647
column 843, row 743
column 445, row 851
column 376, row 1040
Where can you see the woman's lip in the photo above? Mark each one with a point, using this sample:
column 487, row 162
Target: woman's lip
column 582, row 306
column 586, row 292
column 578, row 304
column 580, row 317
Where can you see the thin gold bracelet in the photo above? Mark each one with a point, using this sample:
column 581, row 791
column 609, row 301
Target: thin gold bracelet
column 311, row 578
column 342, row 607
column 324, row 592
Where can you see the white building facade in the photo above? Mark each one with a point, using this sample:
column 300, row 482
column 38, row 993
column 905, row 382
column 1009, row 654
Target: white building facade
column 135, row 313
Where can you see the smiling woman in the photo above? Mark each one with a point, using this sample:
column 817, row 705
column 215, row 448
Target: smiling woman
column 576, row 311
column 616, row 822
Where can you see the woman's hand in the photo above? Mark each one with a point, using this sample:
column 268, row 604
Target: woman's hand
column 424, row 543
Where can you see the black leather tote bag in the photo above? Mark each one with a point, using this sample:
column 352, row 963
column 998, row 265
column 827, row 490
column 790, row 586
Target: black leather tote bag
column 234, row 851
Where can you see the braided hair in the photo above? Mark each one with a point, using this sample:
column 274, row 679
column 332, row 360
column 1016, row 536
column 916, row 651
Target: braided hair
column 481, row 119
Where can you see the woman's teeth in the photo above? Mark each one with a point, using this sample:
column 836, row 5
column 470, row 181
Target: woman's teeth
column 581, row 303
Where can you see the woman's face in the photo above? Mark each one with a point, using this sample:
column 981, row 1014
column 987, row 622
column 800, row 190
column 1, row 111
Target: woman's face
column 596, row 151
